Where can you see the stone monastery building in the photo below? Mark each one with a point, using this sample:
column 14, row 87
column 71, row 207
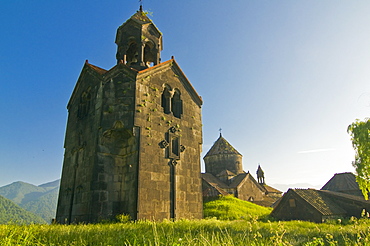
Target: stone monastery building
column 134, row 136
column 134, row 139
column 225, row 176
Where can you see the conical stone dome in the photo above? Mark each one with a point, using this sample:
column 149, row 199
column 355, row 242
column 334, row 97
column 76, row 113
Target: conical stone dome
column 223, row 156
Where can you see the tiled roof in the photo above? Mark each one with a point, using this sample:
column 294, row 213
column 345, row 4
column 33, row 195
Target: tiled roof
column 226, row 173
column 353, row 198
column 319, row 201
column 270, row 189
column 342, row 182
column 213, row 181
column 141, row 18
column 236, row 181
column 97, row 69
column 221, row 146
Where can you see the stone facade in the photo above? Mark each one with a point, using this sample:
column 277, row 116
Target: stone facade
column 225, row 176
column 133, row 137
column 318, row 205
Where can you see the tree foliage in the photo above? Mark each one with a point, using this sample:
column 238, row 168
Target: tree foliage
column 360, row 136
column 13, row 214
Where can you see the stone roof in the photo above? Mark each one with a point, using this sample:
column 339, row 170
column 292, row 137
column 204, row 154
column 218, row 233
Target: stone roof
column 141, row 17
column 319, row 201
column 215, row 183
column 226, row 173
column 342, row 182
column 270, row 189
column 237, row 180
column 96, row 68
column 353, row 198
column 221, row 146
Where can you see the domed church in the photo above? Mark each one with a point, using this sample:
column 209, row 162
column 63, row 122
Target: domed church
column 224, row 175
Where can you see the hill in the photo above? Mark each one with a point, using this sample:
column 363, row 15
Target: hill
column 285, row 187
column 231, row 208
column 12, row 213
column 41, row 200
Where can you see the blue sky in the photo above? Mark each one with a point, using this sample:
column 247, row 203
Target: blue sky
column 283, row 79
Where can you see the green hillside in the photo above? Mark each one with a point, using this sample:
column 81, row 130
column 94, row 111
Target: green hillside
column 11, row 213
column 231, row 208
column 41, row 200
column 20, row 192
column 45, row 205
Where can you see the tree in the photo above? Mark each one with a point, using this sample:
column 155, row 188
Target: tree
column 360, row 136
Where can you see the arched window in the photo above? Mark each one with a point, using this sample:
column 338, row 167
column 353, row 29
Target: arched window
column 166, row 99
column 176, row 104
column 171, row 101
column 83, row 107
column 132, row 54
column 148, row 54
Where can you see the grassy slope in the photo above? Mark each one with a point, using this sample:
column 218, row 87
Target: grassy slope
column 12, row 213
column 45, row 205
column 231, row 208
column 41, row 200
column 248, row 231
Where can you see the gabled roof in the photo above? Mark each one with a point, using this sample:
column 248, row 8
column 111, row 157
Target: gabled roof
column 239, row 179
column 353, row 198
column 226, row 173
column 270, row 189
column 319, row 201
column 215, row 182
column 221, row 146
column 96, row 71
column 182, row 77
column 342, row 182
column 103, row 73
column 100, row 70
column 236, row 181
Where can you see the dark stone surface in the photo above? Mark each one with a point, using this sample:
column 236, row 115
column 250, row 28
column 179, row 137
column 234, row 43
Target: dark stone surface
column 116, row 121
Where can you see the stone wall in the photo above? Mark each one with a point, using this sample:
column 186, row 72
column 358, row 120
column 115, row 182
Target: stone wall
column 124, row 154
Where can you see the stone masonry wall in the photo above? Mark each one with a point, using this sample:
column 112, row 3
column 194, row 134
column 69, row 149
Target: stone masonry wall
column 167, row 190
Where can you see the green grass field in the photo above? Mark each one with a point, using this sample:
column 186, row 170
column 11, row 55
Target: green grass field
column 184, row 232
column 230, row 222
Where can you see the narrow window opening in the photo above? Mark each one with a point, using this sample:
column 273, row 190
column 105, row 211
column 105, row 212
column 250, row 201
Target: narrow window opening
column 148, row 55
column 166, row 100
column 292, row 203
column 176, row 104
column 132, row 54
column 83, row 107
column 175, row 146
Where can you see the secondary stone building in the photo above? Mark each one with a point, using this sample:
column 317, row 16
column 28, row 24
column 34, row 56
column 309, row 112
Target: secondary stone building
column 318, row 205
column 225, row 176
column 133, row 137
column 345, row 183
column 340, row 197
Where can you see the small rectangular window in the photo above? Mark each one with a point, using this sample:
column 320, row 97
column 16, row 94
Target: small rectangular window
column 292, row 203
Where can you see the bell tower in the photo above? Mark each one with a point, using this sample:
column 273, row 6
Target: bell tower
column 134, row 136
column 139, row 42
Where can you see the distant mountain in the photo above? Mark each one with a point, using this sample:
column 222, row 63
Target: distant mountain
column 12, row 213
column 285, row 187
column 41, row 200
column 51, row 184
